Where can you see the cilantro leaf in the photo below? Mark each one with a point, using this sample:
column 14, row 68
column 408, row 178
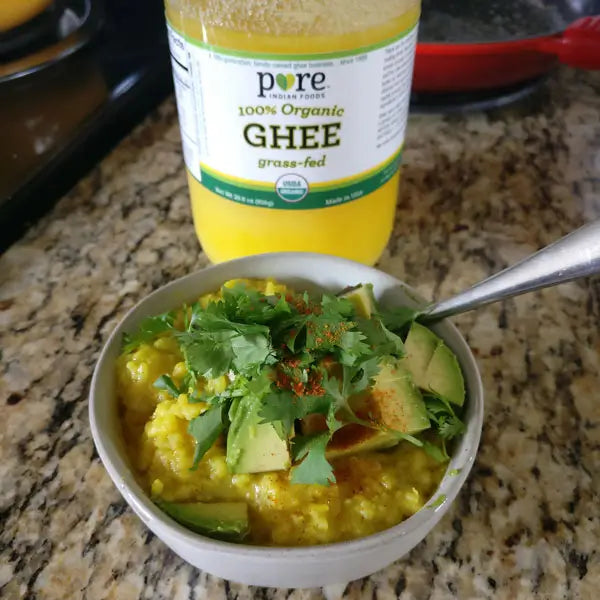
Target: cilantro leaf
column 244, row 304
column 341, row 412
column 337, row 307
column 147, row 331
column 333, row 423
column 211, row 353
column 187, row 386
column 312, row 326
column 353, row 347
column 210, row 321
column 336, row 390
column 205, row 429
column 164, row 382
column 446, row 422
column 207, row 355
column 282, row 408
column 379, row 337
column 362, row 374
column 355, row 379
column 314, row 468
column 397, row 319
column 239, row 387
column 260, row 385
column 450, row 428
column 192, row 316
column 324, row 332
column 437, row 405
column 295, row 337
column 251, row 351
column 281, row 307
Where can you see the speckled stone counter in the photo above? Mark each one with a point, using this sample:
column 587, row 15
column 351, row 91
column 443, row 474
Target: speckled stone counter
column 479, row 192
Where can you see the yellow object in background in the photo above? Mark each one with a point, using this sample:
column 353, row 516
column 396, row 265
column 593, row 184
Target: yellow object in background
column 293, row 139
column 16, row 12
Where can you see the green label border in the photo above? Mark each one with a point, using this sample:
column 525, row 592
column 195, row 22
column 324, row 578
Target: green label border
column 293, row 57
column 267, row 197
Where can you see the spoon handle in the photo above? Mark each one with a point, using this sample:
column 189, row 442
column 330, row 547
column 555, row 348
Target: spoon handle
column 573, row 256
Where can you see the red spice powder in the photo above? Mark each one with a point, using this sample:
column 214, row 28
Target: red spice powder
column 285, row 380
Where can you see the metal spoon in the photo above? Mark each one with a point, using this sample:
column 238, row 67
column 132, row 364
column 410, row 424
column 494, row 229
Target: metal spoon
column 573, row 256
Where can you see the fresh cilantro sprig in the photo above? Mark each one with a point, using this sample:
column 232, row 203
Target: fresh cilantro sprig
column 444, row 417
column 282, row 408
column 398, row 319
column 295, row 355
column 311, row 330
column 446, row 423
column 205, row 429
column 238, row 388
column 213, row 344
column 380, row 339
column 147, row 331
column 314, row 326
column 353, row 348
column 164, row 382
column 354, row 380
column 243, row 304
column 336, row 306
column 314, row 467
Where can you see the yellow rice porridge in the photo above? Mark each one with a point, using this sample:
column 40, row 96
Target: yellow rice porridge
column 373, row 490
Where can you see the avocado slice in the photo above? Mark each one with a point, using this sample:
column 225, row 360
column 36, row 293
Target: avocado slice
column 420, row 346
column 444, row 376
column 433, row 365
column 354, row 438
column 394, row 400
column 223, row 520
column 252, row 446
column 362, row 298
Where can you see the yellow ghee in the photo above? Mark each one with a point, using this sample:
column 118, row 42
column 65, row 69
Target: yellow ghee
column 359, row 228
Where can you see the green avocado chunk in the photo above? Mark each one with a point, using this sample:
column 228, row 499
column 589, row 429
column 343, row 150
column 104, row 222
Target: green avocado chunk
column 252, row 446
column 433, row 365
column 444, row 376
column 362, row 298
column 395, row 401
column 354, row 438
column 223, row 520
column 420, row 345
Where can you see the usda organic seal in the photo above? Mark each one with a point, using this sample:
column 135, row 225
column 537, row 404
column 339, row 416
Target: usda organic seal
column 291, row 187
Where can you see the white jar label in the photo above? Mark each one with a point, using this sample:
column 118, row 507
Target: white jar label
column 293, row 132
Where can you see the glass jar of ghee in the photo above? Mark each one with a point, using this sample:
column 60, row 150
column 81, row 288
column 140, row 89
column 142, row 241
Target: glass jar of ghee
column 292, row 114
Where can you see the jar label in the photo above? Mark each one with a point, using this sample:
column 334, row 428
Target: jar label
column 293, row 131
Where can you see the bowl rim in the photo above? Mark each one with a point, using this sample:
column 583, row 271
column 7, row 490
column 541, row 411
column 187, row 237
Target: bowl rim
column 124, row 479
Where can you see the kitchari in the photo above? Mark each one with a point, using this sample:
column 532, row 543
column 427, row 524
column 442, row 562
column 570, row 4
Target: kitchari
column 279, row 417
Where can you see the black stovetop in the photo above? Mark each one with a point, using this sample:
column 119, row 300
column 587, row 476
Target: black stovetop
column 60, row 120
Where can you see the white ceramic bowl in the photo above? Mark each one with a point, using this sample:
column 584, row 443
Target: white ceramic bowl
column 281, row 567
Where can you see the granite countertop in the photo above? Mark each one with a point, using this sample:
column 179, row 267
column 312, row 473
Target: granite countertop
column 479, row 192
